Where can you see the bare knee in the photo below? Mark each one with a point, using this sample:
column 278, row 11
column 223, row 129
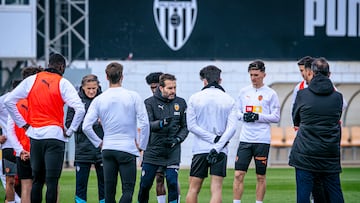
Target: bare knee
column 239, row 176
column 261, row 178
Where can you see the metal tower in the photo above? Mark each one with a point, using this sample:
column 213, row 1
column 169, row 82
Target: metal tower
column 70, row 25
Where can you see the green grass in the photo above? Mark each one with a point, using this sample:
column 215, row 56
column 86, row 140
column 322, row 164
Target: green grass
column 280, row 186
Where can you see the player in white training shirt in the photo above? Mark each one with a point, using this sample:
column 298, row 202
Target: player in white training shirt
column 118, row 110
column 211, row 117
column 258, row 107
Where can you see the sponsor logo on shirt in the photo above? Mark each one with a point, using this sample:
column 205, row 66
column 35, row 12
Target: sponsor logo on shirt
column 255, row 109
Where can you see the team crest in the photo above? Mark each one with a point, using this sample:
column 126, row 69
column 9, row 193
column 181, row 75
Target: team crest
column 176, row 107
column 260, row 97
column 175, row 20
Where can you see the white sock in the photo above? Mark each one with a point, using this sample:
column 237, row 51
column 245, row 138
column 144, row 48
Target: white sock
column 236, row 201
column 11, row 201
column 179, row 198
column 161, row 199
column 257, row 201
column 17, row 198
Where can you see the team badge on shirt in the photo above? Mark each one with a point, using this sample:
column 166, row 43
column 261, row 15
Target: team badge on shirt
column 260, row 97
column 176, row 107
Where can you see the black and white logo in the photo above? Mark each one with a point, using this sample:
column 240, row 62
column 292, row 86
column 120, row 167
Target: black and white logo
column 175, row 21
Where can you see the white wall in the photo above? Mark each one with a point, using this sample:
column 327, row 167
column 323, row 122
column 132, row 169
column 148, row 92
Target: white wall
column 234, row 75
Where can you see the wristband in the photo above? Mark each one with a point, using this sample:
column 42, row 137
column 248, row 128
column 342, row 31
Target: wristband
column 26, row 126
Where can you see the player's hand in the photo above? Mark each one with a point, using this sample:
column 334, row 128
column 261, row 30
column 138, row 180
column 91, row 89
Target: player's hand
column 212, row 156
column 217, row 138
column 2, row 139
column 165, row 122
column 250, row 117
column 64, row 133
column 25, row 155
column 67, row 136
column 170, row 142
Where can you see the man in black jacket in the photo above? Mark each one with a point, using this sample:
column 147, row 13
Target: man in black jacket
column 315, row 153
column 153, row 81
column 85, row 152
column 168, row 129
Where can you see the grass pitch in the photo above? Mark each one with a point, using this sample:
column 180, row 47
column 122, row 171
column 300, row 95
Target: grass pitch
column 280, row 186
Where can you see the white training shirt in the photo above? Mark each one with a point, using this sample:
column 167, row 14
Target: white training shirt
column 296, row 89
column 263, row 101
column 3, row 121
column 12, row 138
column 69, row 96
column 120, row 111
column 211, row 112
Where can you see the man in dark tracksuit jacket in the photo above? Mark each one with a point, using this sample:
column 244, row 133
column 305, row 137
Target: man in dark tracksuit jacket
column 168, row 129
column 315, row 153
column 85, row 152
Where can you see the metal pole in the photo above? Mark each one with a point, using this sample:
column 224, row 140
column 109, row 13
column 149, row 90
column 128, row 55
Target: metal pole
column 86, row 33
column 69, row 31
column 58, row 43
column 47, row 32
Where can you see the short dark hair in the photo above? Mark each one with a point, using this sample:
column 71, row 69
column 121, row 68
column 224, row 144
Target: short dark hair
column 153, row 77
column 306, row 61
column 56, row 60
column 31, row 70
column 211, row 73
column 114, row 72
column 320, row 65
column 164, row 77
column 257, row 65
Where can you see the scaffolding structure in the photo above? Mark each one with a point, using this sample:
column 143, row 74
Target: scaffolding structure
column 71, row 23
column 58, row 26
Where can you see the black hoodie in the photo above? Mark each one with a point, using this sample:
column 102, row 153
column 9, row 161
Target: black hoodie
column 317, row 111
column 159, row 108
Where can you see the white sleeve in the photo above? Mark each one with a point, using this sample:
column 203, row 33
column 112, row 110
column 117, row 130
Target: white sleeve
column 230, row 129
column 296, row 89
column 90, row 118
column 345, row 104
column 72, row 99
column 274, row 116
column 194, row 128
column 12, row 138
column 20, row 92
column 143, row 122
column 239, row 106
column 3, row 113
